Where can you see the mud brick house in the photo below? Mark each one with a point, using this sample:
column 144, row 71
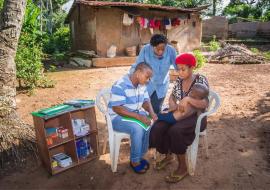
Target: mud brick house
column 97, row 25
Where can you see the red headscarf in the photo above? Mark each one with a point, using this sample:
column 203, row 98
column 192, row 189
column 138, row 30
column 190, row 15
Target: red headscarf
column 186, row 59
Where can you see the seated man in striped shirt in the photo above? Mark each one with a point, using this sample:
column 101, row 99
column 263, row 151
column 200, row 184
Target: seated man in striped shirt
column 128, row 96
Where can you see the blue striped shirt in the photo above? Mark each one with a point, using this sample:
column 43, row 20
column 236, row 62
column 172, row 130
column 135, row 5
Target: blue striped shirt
column 161, row 66
column 123, row 93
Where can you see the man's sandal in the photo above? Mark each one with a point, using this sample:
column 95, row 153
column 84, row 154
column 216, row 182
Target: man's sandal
column 163, row 163
column 140, row 169
column 145, row 163
column 173, row 178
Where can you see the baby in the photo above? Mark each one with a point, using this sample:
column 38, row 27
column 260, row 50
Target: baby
column 199, row 92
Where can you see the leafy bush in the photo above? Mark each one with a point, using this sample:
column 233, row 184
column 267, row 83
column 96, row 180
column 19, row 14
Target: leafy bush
column 29, row 66
column 29, row 53
column 58, row 19
column 267, row 55
column 254, row 50
column 266, row 16
column 52, row 68
column 1, row 4
column 257, row 10
column 58, row 42
column 59, row 56
column 214, row 45
column 201, row 60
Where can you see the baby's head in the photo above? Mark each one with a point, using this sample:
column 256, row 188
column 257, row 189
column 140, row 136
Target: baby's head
column 199, row 91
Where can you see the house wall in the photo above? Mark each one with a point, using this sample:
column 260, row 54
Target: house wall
column 110, row 31
column 250, row 29
column 217, row 26
column 83, row 29
column 187, row 35
column 243, row 29
column 263, row 30
column 102, row 27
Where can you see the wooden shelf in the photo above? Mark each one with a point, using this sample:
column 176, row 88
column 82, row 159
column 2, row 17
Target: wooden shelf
column 59, row 141
column 89, row 133
column 66, row 145
column 59, row 169
column 90, row 157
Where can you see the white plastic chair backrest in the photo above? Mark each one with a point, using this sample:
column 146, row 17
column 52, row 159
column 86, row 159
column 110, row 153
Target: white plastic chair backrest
column 102, row 101
column 214, row 103
column 103, row 95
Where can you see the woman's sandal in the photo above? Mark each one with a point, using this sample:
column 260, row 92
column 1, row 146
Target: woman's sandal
column 146, row 164
column 140, row 169
column 163, row 163
column 173, row 178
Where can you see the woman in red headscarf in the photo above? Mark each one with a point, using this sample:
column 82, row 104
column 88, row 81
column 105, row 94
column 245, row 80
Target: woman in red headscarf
column 175, row 138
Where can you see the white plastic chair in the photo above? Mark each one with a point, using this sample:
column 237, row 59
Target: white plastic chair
column 115, row 137
column 191, row 155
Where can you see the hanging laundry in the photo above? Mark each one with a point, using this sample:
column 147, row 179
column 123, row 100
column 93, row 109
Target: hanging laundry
column 151, row 30
column 157, row 24
column 131, row 19
column 167, row 23
column 142, row 22
column 162, row 25
column 127, row 20
column 152, row 23
column 175, row 22
column 138, row 19
column 146, row 22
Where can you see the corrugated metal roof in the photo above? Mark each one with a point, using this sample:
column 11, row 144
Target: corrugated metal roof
column 135, row 5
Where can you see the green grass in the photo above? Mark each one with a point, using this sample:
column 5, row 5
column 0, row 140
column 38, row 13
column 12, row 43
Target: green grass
column 255, row 50
column 266, row 55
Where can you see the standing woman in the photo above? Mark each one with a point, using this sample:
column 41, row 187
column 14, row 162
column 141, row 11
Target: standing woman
column 160, row 56
column 168, row 138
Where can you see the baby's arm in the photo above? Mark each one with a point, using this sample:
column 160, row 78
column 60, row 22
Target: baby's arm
column 172, row 103
column 184, row 113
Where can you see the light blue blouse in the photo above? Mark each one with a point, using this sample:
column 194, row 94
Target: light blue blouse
column 161, row 66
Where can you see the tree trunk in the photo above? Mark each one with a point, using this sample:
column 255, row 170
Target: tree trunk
column 214, row 7
column 14, row 135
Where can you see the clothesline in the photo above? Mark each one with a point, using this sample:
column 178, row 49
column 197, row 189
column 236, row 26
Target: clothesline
column 152, row 23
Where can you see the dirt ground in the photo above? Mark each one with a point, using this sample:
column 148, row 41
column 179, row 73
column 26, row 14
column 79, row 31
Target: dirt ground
column 238, row 133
